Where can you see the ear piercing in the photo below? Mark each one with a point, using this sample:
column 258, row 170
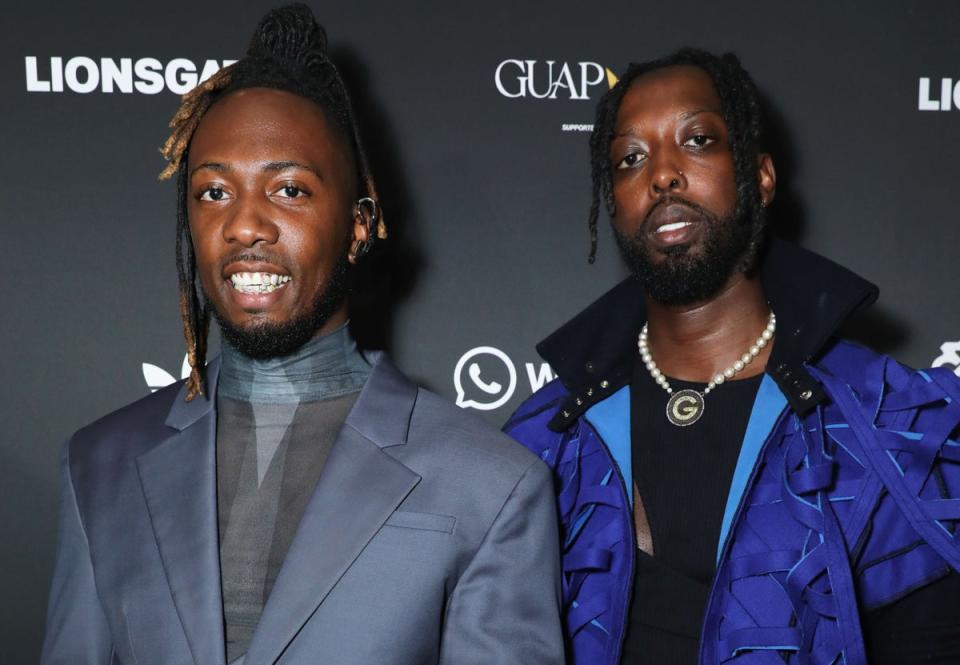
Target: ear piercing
column 360, row 249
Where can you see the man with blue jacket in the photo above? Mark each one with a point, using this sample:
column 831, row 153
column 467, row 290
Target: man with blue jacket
column 734, row 482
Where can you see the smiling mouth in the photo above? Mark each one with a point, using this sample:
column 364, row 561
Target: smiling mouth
column 258, row 282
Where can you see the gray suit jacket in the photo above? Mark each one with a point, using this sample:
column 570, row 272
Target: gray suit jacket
column 430, row 538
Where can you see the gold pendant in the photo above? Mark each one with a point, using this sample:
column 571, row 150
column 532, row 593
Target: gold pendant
column 685, row 407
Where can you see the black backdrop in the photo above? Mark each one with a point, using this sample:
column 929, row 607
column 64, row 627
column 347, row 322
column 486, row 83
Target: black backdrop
column 486, row 193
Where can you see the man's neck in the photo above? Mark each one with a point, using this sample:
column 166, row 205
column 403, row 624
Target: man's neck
column 327, row 366
column 695, row 342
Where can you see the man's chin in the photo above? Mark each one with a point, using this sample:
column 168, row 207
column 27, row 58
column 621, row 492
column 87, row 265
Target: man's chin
column 261, row 338
column 684, row 250
column 681, row 282
column 681, row 274
column 266, row 339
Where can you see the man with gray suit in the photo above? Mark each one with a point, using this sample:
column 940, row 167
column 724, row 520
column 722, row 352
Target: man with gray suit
column 294, row 501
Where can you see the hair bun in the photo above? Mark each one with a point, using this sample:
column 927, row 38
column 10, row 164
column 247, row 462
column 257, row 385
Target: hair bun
column 289, row 33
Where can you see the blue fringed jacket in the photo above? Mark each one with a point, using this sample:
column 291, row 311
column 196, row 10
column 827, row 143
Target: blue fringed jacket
column 845, row 497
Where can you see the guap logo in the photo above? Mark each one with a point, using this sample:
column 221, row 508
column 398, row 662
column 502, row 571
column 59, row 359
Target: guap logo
column 551, row 79
column 147, row 76
column 949, row 356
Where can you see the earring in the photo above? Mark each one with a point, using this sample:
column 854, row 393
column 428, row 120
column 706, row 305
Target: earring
column 359, row 250
column 362, row 247
column 373, row 212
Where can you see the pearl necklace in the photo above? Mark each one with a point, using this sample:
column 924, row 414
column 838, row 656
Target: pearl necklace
column 686, row 406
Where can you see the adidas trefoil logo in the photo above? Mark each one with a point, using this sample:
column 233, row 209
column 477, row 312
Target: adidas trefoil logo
column 157, row 377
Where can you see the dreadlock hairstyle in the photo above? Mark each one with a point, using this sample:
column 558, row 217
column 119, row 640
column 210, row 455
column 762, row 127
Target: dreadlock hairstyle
column 740, row 105
column 288, row 52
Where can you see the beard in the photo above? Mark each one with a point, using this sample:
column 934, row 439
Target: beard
column 270, row 340
column 688, row 273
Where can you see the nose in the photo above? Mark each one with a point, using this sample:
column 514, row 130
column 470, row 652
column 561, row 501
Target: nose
column 249, row 225
column 666, row 177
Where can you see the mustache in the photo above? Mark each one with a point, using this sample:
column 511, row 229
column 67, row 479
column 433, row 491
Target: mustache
column 253, row 257
column 673, row 199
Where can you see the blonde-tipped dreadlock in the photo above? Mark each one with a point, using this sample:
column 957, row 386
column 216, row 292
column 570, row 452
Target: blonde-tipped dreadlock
column 288, row 52
column 194, row 343
column 184, row 122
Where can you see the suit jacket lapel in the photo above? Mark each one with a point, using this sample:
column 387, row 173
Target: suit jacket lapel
column 359, row 488
column 179, row 482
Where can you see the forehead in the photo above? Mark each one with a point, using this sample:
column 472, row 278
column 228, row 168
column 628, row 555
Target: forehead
column 667, row 94
column 264, row 124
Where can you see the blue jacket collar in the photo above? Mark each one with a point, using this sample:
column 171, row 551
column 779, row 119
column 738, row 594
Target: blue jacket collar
column 811, row 295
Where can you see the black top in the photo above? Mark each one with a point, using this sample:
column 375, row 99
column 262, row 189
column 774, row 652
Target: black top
column 683, row 475
column 263, row 494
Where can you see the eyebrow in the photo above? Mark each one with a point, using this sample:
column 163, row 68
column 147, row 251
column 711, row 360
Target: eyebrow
column 211, row 166
column 289, row 164
column 269, row 166
column 686, row 115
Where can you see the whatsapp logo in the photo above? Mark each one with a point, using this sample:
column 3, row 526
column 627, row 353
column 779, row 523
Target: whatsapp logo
column 485, row 378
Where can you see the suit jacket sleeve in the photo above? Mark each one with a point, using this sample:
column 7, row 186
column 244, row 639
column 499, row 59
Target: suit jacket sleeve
column 505, row 609
column 77, row 631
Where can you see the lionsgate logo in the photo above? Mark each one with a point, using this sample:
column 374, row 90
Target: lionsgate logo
column 147, row 76
column 551, row 79
column 946, row 99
